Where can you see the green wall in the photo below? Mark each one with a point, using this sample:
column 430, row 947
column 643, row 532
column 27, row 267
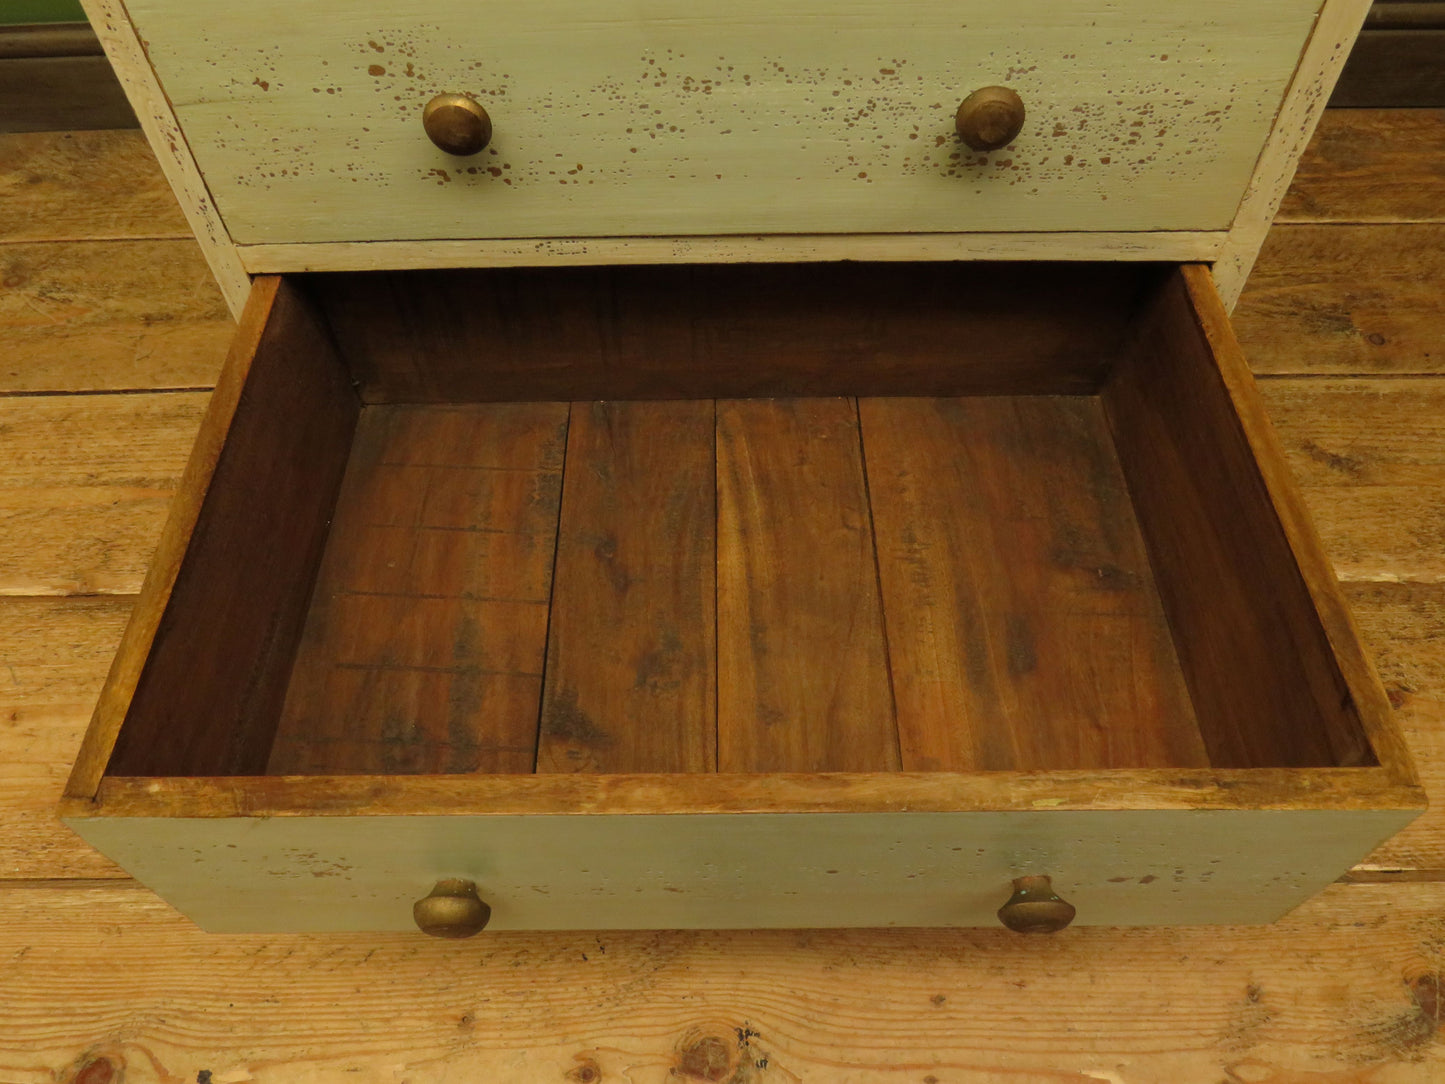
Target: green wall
column 41, row 11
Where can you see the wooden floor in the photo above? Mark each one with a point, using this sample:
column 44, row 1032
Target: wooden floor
column 110, row 334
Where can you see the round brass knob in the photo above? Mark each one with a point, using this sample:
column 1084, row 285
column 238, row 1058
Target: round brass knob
column 452, row 909
column 457, row 124
column 1035, row 907
column 990, row 118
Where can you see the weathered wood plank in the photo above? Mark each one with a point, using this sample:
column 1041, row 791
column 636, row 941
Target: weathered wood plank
column 84, row 186
column 84, row 485
column 423, row 649
column 1346, row 300
column 82, row 316
column 1371, row 165
column 631, row 654
column 53, row 656
column 802, row 662
column 1024, row 627
column 1404, row 626
column 1370, row 456
column 1344, row 990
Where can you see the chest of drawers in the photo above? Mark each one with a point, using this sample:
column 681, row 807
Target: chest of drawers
column 727, row 499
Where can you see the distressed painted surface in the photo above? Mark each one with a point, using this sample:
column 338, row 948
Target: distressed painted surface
column 721, row 116
column 740, row 870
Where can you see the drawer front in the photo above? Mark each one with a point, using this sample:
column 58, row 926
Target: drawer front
column 724, row 871
column 712, row 117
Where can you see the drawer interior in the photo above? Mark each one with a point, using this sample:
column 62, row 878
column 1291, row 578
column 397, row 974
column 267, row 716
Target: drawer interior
column 828, row 518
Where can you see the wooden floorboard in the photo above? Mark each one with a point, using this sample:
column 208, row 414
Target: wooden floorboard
column 84, row 485
column 83, row 186
column 1344, row 991
column 1344, row 300
column 1347, row 990
column 1371, row 165
column 109, row 315
column 1370, row 456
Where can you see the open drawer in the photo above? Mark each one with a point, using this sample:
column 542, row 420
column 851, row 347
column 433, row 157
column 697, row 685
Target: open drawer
column 825, row 595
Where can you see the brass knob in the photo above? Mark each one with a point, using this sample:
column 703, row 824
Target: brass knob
column 452, row 909
column 990, row 118
column 1035, row 907
column 457, row 124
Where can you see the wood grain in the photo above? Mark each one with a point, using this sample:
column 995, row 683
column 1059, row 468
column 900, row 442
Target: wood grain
column 1024, row 627
column 631, row 652
column 1372, row 165
column 238, row 559
column 1370, row 457
column 1341, row 991
column 84, row 186
column 424, row 645
column 1262, row 672
column 85, row 481
column 802, row 661
column 1340, row 300
column 53, row 656
column 715, row 331
column 1404, row 626
column 109, row 316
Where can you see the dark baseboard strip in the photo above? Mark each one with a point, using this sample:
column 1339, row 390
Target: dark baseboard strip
column 29, row 40
column 54, row 77
column 1393, row 69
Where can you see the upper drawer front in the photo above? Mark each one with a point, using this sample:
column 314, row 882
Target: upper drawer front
column 673, row 117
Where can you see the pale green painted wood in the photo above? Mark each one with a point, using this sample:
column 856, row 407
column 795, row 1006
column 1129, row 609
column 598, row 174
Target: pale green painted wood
column 676, row 117
column 1119, row 868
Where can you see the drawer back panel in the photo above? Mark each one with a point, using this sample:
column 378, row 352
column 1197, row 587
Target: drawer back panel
column 687, row 117
column 710, row 331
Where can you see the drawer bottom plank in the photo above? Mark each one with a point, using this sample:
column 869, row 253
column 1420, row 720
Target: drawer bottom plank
column 802, row 663
column 630, row 652
column 423, row 649
column 1025, row 629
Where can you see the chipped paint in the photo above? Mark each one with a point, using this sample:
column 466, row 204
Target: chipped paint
column 712, row 118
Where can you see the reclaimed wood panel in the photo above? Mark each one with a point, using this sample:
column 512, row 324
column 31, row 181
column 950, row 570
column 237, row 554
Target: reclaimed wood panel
column 1371, row 165
column 802, row 662
column 1024, row 627
column 84, row 186
column 631, row 653
column 115, row 315
column 1342, row 300
column 85, row 481
column 424, row 645
column 743, row 116
column 53, row 656
column 1345, row 989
